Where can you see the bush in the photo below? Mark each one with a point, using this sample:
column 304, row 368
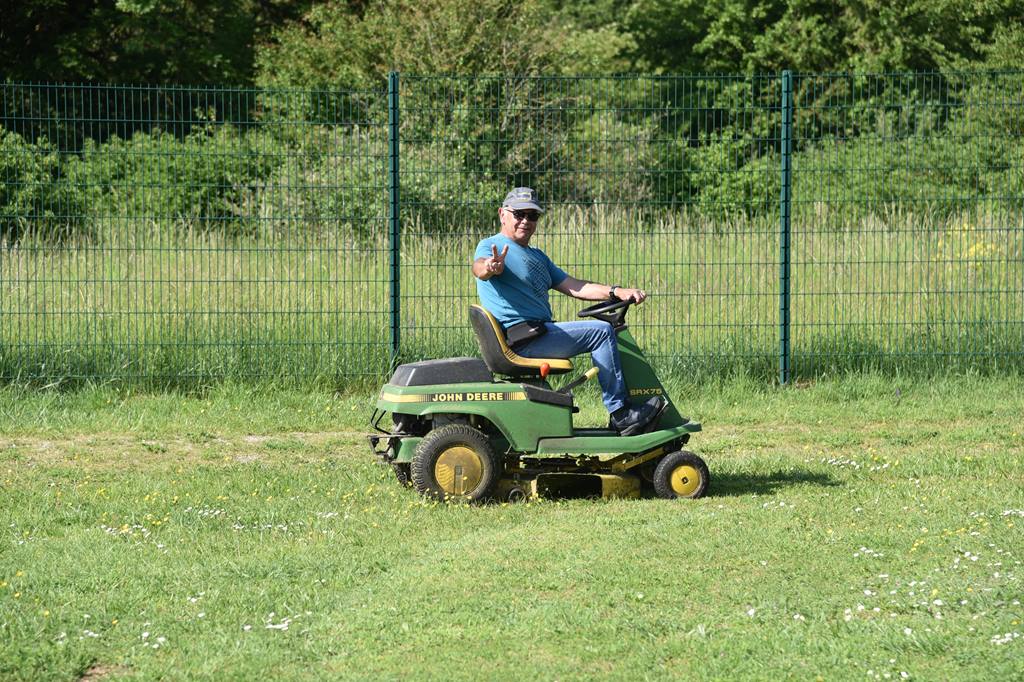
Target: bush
column 334, row 182
column 441, row 196
column 733, row 177
column 937, row 175
column 41, row 196
column 206, row 182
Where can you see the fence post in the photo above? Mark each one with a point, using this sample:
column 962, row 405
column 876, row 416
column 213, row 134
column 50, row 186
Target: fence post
column 393, row 215
column 785, row 205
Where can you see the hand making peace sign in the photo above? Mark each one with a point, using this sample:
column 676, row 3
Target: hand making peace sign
column 496, row 263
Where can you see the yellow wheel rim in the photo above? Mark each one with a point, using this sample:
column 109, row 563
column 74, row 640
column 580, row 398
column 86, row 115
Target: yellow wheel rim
column 685, row 480
column 458, row 470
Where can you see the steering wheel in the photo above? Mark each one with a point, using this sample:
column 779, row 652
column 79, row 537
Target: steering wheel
column 609, row 306
column 612, row 311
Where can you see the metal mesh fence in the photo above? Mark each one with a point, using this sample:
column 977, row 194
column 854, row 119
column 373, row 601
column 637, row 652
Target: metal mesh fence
column 908, row 221
column 786, row 225
column 185, row 235
column 623, row 166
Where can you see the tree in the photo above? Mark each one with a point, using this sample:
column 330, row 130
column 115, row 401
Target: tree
column 138, row 41
column 752, row 36
column 340, row 45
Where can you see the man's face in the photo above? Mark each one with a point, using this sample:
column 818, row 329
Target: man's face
column 518, row 225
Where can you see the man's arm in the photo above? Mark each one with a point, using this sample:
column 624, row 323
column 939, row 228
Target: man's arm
column 592, row 291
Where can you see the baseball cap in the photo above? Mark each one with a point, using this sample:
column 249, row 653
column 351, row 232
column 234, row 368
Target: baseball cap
column 520, row 198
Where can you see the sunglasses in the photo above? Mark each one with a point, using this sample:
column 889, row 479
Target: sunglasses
column 531, row 216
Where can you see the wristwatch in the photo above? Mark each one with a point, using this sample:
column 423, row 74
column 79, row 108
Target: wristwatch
column 611, row 292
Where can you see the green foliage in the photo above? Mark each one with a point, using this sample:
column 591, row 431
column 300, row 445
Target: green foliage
column 41, row 195
column 755, row 36
column 338, row 46
column 707, row 143
column 204, row 182
column 611, row 160
column 733, row 179
column 299, row 43
column 887, row 153
column 1003, row 51
column 118, row 41
column 333, row 183
column 441, row 196
column 939, row 181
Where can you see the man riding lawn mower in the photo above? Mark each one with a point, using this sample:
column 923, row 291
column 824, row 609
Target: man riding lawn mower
column 472, row 429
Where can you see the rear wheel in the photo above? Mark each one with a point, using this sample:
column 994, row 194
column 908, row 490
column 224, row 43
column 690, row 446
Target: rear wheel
column 455, row 462
column 681, row 474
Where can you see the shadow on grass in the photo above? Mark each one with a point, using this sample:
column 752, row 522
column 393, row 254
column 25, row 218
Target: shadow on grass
column 728, row 485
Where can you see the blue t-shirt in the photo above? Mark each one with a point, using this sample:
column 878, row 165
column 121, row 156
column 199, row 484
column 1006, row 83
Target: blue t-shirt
column 519, row 293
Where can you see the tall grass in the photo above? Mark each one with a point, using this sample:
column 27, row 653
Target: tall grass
column 913, row 292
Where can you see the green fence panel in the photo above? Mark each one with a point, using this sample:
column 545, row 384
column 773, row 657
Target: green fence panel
column 185, row 235
column 668, row 183
column 908, row 222
column 172, row 235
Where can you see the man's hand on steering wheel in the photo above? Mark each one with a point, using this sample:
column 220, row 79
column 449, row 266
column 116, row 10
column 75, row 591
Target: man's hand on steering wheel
column 614, row 308
column 627, row 294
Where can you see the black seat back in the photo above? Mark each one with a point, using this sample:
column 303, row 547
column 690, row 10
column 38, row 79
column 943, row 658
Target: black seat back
column 501, row 359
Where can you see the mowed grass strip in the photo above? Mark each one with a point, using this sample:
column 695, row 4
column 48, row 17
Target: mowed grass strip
column 856, row 529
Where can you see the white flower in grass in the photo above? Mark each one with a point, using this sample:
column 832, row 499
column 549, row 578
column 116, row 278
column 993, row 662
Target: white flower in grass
column 283, row 625
column 1005, row 638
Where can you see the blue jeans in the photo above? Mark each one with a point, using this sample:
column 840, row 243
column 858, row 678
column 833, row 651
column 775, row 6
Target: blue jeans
column 566, row 339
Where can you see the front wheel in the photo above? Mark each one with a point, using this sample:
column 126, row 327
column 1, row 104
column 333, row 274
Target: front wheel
column 681, row 474
column 402, row 473
column 455, row 462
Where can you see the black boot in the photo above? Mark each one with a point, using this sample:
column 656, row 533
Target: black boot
column 632, row 419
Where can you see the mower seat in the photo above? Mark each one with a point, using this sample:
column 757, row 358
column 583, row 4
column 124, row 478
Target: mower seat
column 501, row 359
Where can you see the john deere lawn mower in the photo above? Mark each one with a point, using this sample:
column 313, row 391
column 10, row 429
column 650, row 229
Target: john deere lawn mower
column 471, row 429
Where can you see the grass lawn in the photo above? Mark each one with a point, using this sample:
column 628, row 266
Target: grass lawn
column 863, row 528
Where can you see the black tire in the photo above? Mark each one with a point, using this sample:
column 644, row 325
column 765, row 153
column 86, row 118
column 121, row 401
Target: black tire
column 681, row 474
column 455, row 462
column 402, row 473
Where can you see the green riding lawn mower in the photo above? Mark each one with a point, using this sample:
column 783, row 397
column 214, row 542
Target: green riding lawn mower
column 494, row 429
